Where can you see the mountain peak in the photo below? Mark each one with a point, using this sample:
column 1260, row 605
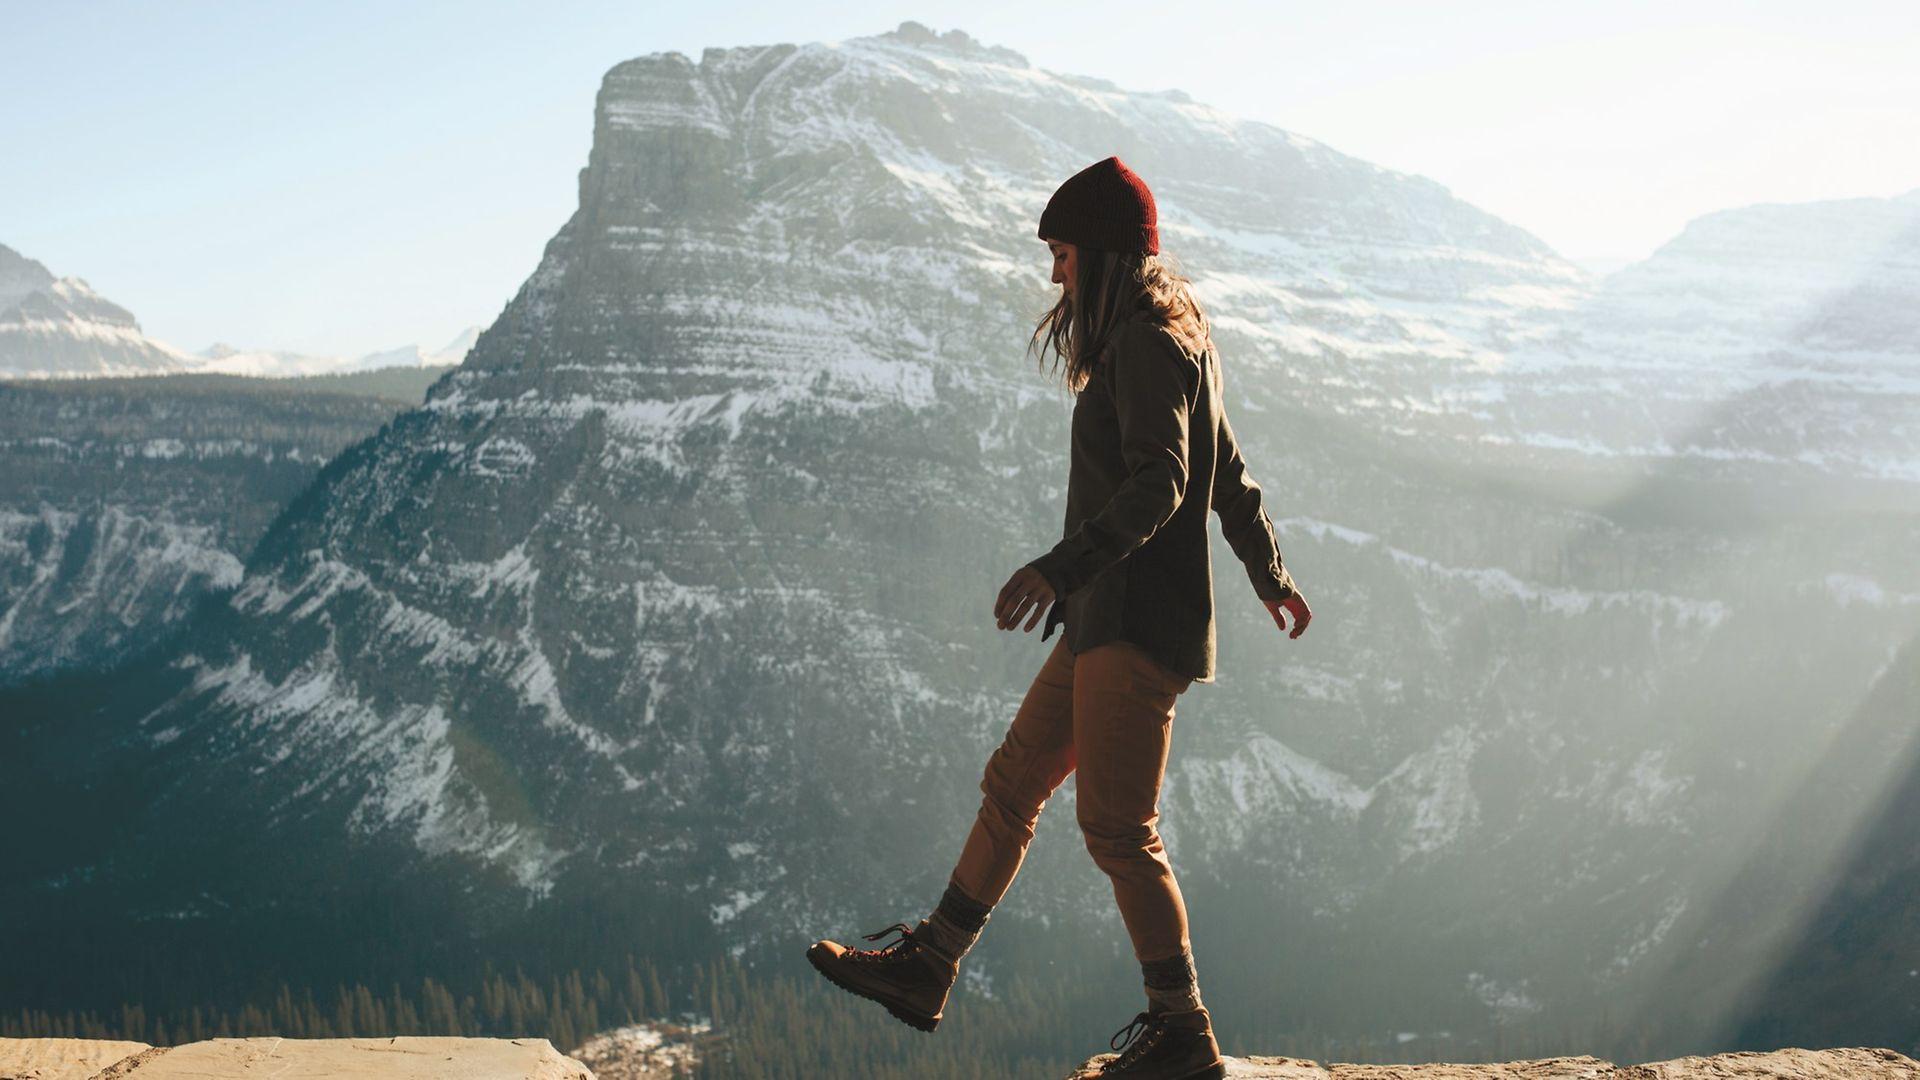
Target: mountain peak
column 59, row 326
column 19, row 276
column 921, row 35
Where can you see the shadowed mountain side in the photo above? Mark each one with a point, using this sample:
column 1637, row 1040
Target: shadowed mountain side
column 1847, row 962
column 123, row 502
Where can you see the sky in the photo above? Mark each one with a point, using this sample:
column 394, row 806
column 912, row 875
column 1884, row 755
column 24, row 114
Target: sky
column 341, row 177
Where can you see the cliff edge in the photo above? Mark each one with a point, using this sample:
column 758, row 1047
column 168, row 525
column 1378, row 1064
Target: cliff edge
column 417, row 1058
column 1850, row 1063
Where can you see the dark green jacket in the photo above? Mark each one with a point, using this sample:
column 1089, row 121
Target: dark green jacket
column 1152, row 453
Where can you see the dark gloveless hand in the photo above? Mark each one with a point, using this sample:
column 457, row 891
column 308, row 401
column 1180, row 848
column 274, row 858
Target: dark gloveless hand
column 1296, row 606
column 1026, row 594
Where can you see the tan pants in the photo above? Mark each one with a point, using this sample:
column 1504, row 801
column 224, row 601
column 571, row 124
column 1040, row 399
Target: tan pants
column 1108, row 712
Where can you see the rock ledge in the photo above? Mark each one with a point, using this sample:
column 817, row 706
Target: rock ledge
column 1850, row 1063
column 416, row 1058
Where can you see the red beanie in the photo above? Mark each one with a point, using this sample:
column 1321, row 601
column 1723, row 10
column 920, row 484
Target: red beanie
column 1105, row 206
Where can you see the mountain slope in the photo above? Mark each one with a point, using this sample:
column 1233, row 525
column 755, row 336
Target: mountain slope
column 125, row 502
column 1779, row 334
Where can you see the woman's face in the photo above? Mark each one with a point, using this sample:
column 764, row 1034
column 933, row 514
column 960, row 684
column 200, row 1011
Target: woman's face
column 1065, row 265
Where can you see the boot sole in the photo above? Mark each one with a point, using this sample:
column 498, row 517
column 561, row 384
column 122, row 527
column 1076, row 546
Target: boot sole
column 919, row 1021
column 1215, row 1071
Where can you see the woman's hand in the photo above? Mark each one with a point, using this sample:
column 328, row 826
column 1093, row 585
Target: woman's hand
column 1295, row 605
column 1027, row 588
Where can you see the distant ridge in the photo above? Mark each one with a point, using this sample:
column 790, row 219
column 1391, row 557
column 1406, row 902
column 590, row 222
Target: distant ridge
column 52, row 328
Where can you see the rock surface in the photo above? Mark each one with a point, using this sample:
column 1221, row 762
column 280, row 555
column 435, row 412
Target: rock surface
column 62, row 1059
column 649, row 1050
column 289, row 1059
column 1788, row 1064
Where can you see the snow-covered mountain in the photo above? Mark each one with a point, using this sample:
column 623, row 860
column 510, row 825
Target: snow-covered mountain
column 227, row 359
column 665, row 618
column 52, row 328
column 60, row 327
column 449, row 355
column 1782, row 334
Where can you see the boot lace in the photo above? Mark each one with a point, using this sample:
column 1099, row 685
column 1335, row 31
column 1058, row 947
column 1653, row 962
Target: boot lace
column 1134, row 1040
column 892, row 950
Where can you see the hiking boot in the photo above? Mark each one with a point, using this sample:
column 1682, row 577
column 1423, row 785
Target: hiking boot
column 1166, row 1046
column 909, row 976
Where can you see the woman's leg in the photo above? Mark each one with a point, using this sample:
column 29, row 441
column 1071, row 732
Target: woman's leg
column 1123, row 703
column 914, row 975
column 1034, row 758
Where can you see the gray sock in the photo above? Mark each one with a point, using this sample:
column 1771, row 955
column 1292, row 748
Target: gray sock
column 956, row 923
column 1172, row 984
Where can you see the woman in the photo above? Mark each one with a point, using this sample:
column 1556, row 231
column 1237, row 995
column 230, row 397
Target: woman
column 1131, row 583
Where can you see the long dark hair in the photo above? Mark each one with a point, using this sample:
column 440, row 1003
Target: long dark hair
column 1118, row 285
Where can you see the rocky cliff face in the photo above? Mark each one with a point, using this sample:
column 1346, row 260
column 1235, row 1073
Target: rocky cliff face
column 676, row 594
column 124, row 502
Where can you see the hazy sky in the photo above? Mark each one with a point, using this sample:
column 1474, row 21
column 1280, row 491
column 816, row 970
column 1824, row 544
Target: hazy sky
column 341, row 177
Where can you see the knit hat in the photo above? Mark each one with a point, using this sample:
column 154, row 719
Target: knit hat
column 1105, row 206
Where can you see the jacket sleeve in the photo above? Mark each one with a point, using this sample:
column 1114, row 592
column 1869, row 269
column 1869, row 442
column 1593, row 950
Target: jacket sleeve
column 1244, row 521
column 1154, row 385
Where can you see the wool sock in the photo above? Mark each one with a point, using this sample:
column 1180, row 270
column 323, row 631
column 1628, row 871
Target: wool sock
column 956, row 923
column 1172, row 984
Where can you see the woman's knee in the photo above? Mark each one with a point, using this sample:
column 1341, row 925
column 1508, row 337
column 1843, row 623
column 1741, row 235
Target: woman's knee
column 1016, row 786
column 1108, row 839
